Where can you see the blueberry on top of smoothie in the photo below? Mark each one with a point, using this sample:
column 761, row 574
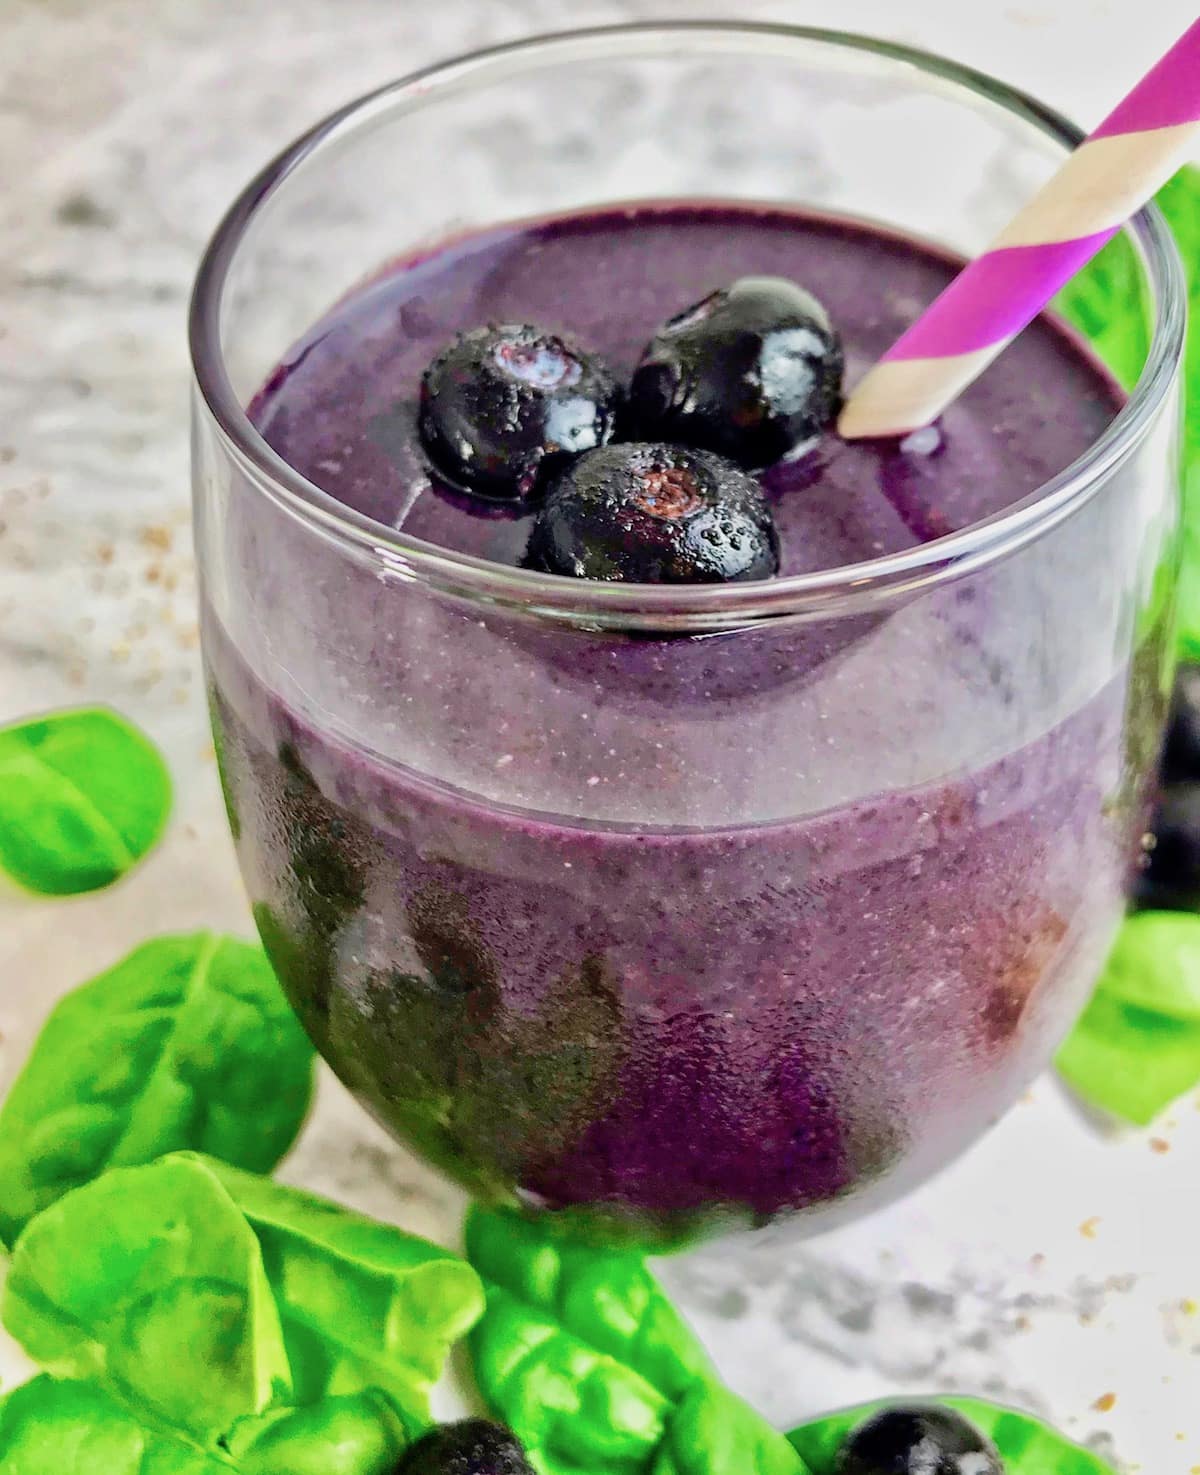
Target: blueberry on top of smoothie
column 1181, row 757
column 918, row 1440
column 753, row 371
column 654, row 514
column 502, row 402
column 1171, row 879
column 470, row 1447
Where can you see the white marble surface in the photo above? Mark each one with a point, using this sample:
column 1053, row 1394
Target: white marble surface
column 1055, row 1266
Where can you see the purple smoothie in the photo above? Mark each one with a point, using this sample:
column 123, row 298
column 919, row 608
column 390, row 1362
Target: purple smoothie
column 606, row 922
column 342, row 408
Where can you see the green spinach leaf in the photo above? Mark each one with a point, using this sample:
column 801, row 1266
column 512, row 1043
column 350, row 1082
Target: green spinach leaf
column 1136, row 1048
column 1180, row 202
column 188, row 1042
column 362, row 1303
column 356, row 1434
column 713, row 1432
column 48, row 1427
column 150, row 1282
column 579, row 1350
column 83, row 796
column 1121, row 338
column 604, row 1297
column 1027, row 1445
column 52, row 1427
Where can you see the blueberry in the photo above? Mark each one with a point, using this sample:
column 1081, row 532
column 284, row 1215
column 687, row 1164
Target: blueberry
column 470, row 1447
column 654, row 514
column 752, row 372
column 1181, row 756
column 918, row 1440
column 501, row 404
column 1171, row 878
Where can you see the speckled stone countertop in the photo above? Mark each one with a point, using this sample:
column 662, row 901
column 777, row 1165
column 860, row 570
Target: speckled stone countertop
column 1056, row 1265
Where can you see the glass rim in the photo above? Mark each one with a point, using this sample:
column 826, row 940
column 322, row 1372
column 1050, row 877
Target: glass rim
column 700, row 607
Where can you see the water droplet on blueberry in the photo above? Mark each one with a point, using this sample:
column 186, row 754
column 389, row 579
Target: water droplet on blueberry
column 918, row 1440
column 503, row 404
column 752, row 372
column 654, row 514
column 469, row 1447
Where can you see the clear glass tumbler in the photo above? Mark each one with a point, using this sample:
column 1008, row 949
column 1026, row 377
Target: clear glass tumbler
column 679, row 909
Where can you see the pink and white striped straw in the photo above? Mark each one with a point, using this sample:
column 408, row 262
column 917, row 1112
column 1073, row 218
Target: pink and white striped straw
column 1105, row 181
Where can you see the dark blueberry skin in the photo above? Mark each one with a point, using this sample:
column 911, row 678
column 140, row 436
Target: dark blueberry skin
column 918, row 1440
column 753, row 372
column 1170, row 880
column 1181, row 756
column 502, row 404
column 654, row 514
column 471, row 1447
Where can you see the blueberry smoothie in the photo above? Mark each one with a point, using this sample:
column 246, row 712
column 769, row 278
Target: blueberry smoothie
column 609, row 921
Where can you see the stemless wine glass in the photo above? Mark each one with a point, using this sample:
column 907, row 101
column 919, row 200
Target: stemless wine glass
column 670, row 909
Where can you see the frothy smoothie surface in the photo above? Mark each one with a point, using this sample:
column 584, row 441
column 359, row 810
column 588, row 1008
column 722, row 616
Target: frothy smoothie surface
column 674, row 930
column 342, row 408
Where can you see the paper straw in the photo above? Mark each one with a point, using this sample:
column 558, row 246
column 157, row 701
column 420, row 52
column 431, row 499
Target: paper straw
column 1105, row 181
